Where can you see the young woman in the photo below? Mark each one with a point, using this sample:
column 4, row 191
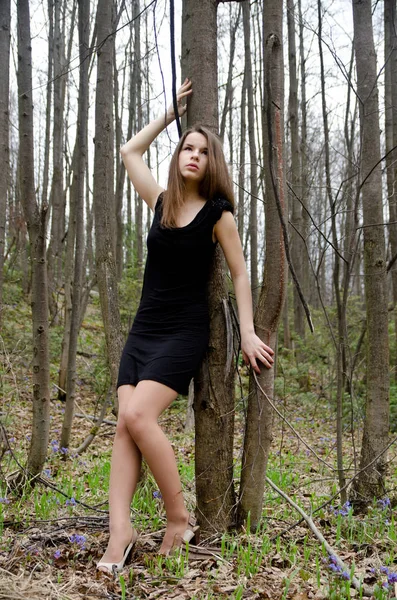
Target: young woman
column 170, row 332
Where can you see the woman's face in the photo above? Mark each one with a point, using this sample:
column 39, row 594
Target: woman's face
column 193, row 157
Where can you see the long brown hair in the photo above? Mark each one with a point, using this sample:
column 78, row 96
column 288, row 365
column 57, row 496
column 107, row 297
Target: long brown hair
column 216, row 182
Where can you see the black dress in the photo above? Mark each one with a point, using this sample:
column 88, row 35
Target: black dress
column 169, row 335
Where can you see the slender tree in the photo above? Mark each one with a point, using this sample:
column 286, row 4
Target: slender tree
column 57, row 187
column 36, row 222
column 253, row 218
column 370, row 481
column 390, row 24
column 138, row 237
column 297, row 244
column 341, row 340
column 80, row 168
column 5, row 36
column 259, row 423
column 103, row 188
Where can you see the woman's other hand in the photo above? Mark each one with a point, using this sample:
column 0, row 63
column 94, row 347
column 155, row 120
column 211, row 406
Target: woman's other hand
column 184, row 90
column 253, row 348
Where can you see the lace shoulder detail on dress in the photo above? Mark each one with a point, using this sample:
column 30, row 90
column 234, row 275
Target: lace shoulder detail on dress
column 218, row 206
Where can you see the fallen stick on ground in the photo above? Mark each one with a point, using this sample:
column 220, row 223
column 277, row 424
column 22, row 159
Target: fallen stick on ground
column 359, row 585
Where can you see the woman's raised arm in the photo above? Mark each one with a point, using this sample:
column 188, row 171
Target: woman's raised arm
column 132, row 152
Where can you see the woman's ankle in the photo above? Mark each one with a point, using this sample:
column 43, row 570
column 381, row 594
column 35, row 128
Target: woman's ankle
column 120, row 530
column 178, row 517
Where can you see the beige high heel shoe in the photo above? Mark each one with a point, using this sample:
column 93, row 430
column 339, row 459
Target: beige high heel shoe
column 114, row 568
column 191, row 535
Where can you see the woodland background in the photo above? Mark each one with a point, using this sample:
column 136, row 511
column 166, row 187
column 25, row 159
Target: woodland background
column 304, row 97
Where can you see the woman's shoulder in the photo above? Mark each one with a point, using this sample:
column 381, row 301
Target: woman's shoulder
column 218, row 205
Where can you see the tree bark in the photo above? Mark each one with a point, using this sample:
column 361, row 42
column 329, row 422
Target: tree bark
column 390, row 24
column 103, row 189
column 80, row 164
column 5, row 37
column 341, row 341
column 138, row 237
column 297, row 244
column 253, row 218
column 304, row 195
column 57, row 194
column 241, row 172
column 370, row 482
column 259, row 423
column 213, row 388
column 36, row 223
column 229, row 84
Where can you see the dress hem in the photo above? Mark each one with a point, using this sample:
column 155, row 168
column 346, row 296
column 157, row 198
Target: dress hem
column 157, row 380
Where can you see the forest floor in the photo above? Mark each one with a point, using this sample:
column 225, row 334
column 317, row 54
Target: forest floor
column 53, row 534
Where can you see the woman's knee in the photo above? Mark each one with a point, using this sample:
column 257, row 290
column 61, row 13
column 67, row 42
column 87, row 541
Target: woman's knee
column 121, row 427
column 136, row 422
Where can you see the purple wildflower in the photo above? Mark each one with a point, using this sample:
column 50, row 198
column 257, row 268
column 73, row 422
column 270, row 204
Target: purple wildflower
column 64, row 450
column 384, row 503
column 4, row 501
column 157, row 494
column 343, row 510
column 345, row 575
column 79, row 540
column 391, row 577
column 384, row 570
column 70, row 502
column 57, row 554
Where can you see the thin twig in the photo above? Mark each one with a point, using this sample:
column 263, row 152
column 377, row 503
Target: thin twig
column 366, row 590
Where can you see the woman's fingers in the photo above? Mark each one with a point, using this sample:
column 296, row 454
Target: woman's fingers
column 264, row 357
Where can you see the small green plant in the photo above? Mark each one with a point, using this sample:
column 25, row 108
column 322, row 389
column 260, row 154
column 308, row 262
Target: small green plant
column 123, row 587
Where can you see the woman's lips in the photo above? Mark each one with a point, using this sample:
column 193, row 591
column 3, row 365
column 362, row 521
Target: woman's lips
column 193, row 167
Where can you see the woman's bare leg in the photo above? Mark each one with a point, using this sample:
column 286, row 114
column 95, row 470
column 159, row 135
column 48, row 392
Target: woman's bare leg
column 148, row 401
column 124, row 476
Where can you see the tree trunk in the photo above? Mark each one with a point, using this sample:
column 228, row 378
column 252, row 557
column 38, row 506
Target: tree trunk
column 304, row 195
column 213, row 388
column 5, row 36
column 370, row 483
column 68, row 279
column 253, row 218
column 229, row 84
column 341, row 341
column 80, row 164
column 258, row 432
column 390, row 23
column 50, row 67
column 36, row 223
column 297, row 244
column 103, row 189
column 138, row 237
column 241, row 172
column 57, row 195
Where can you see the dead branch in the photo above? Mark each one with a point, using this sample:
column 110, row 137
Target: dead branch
column 366, row 590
